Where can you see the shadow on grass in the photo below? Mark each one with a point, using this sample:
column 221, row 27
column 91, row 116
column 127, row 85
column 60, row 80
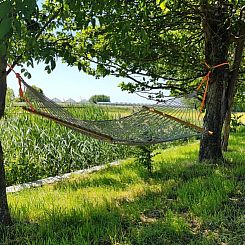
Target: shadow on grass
column 182, row 172
column 95, row 226
column 148, row 219
column 103, row 225
column 108, row 182
column 169, row 214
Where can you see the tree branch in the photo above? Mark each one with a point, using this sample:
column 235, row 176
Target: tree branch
column 36, row 36
column 231, row 90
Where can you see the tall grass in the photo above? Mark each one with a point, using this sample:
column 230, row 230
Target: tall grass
column 36, row 148
column 180, row 202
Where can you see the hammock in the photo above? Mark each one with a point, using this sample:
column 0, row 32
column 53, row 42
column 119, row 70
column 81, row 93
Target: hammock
column 171, row 120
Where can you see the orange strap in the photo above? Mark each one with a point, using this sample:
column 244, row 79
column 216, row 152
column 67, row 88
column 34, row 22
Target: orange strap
column 19, row 78
column 206, row 79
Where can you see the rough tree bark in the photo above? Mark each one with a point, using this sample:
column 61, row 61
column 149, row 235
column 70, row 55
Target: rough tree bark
column 217, row 36
column 231, row 90
column 5, row 218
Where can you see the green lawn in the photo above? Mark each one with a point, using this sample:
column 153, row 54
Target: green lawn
column 181, row 202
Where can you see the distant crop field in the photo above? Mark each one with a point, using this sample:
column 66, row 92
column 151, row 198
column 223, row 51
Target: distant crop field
column 37, row 148
column 120, row 111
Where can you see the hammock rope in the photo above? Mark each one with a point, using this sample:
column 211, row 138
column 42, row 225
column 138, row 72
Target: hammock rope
column 206, row 79
column 171, row 120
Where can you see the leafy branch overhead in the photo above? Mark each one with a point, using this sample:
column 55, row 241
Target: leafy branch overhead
column 156, row 44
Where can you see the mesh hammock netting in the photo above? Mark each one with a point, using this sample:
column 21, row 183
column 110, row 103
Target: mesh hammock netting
column 171, row 120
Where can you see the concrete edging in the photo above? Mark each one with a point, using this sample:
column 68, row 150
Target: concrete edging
column 50, row 180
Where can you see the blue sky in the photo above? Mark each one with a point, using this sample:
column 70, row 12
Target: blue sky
column 67, row 82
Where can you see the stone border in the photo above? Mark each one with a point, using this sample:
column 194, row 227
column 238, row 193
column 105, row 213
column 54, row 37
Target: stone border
column 50, row 180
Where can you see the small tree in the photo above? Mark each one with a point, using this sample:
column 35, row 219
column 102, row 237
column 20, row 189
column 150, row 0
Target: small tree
column 99, row 98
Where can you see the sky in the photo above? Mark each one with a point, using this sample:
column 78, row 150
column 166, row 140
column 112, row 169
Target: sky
column 67, row 82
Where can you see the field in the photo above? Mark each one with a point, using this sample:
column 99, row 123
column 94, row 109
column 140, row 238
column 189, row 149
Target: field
column 180, row 202
column 37, row 148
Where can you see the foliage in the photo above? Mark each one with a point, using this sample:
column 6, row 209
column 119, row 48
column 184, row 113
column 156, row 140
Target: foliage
column 9, row 96
column 239, row 103
column 19, row 28
column 99, row 98
column 183, row 202
column 158, row 40
column 165, row 44
column 236, row 122
column 143, row 156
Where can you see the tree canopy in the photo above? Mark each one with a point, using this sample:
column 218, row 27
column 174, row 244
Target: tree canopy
column 99, row 98
column 157, row 44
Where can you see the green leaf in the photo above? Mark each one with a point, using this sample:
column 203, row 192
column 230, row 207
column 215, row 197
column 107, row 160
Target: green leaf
column 5, row 27
column 47, row 68
column 79, row 66
column 3, row 48
column 30, row 63
column 5, row 9
column 17, row 27
column 27, row 74
column 164, row 7
column 53, row 64
column 47, row 61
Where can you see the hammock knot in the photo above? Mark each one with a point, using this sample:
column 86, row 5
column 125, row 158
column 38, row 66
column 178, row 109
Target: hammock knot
column 18, row 75
column 206, row 79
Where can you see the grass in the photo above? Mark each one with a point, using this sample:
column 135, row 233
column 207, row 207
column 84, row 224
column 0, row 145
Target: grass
column 181, row 202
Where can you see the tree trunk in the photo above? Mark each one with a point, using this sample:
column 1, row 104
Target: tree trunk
column 226, row 131
column 216, row 52
column 5, row 218
column 4, row 210
column 231, row 90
